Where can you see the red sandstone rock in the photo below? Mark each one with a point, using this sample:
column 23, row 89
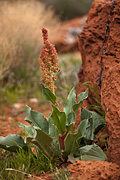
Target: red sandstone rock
column 99, row 44
column 110, row 98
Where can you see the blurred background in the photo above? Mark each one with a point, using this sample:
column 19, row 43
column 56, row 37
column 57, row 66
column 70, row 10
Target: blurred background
column 68, row 9
column 20, row 42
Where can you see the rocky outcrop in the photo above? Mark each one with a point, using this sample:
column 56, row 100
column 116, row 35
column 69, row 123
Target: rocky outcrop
column 99, row 44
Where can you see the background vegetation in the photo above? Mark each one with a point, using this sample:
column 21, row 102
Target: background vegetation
column 68, row 9
column 20, row 43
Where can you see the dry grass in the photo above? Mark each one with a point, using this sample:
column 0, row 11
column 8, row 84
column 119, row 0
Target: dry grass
column 20, row 35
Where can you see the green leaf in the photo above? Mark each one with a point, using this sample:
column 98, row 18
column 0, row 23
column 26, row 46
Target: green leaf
column 72, row 159
column 88, row 153
column 71, row 100
column 59, row 119
column 28, row 114
column 29, row 130
column 71, row 106
column 71, row 118
column 83, row 126
column 77, row 106
column 99, row 121
column 44, row 142
column 37, row 119
column 69, row 128
column 87, row 129
column 71, row 143
column 53, row 130
column 87, row 84
column 85, row 114
column 98, row 101
column 12, row 143
column 91, row 153
column 48, row 95
column 82, row 96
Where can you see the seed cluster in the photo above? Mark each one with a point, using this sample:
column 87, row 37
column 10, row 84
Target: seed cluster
column 49, row 62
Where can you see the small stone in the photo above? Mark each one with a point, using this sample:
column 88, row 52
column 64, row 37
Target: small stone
column 18, row 105
column 33, row 100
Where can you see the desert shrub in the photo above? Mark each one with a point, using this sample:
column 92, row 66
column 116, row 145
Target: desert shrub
column 20, row 29
column 68, row 9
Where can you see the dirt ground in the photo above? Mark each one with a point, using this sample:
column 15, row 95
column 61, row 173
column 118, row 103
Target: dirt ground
column 10, row 116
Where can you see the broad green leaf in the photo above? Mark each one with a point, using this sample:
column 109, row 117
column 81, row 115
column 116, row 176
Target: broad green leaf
column 48, row 95
column 88, row 153
column 59, row 119
column 77, row 106
column 98, row 120
column 91, row 153
column 90, row 130
column 71, row 143
column 12, row 143
column 53, row 130
column 71, row 118
column 44, row 142
column 40, row 121
column 71, row 105
column 87, row 129
column 37, row 119
column 82, row 96
column 72, row 159
column 28, row 114
column 29, row 130
column 71, row 100
column 85, row 114
column 83, row 126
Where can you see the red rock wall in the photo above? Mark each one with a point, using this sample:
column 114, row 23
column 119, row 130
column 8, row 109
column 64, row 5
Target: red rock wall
column 99, row 44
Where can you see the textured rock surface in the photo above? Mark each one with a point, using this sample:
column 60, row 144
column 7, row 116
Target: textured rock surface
column 99, row 44
column 110, row 98
column 97, row 170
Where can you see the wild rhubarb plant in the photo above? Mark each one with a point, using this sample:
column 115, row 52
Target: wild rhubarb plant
column 48, row 63
column 56, row 135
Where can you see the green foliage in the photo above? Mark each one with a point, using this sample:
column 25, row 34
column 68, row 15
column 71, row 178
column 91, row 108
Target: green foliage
column 102, row 140
column 98, row 121
column 28, row 87
column 88, row 153
column 61, row 174
column 48, row 95
column 97, row 107
column 57, row 137
column 12, row 143
column 20, row 47
column 23, row 165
